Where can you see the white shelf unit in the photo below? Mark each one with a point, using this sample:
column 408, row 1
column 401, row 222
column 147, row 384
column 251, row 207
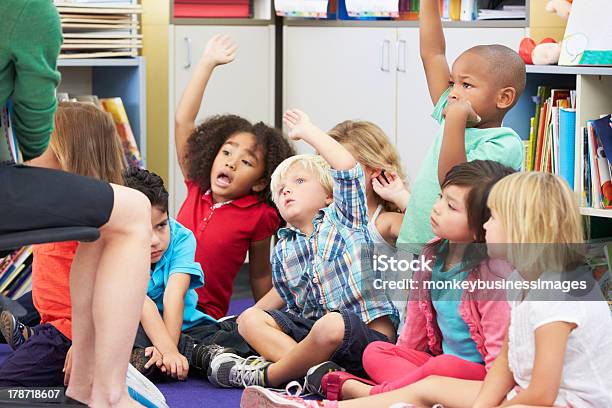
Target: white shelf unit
column 262, row 15
column 593, row 98
column 111, row 77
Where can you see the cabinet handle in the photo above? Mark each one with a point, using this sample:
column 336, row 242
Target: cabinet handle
column 401, row 61
column 385, row 44
column 188, row 44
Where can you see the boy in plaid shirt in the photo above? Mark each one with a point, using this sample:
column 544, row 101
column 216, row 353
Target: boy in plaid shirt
column 321, row 270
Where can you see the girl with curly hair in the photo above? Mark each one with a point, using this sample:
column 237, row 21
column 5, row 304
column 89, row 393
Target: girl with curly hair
column 227, row 163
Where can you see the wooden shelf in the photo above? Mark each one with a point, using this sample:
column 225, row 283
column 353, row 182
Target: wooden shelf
column 562, row 70
column 596, row 212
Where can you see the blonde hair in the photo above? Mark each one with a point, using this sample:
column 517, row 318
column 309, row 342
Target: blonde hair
column 85, row 142
column 311, row 162
column 372, row 148
column 539, row 208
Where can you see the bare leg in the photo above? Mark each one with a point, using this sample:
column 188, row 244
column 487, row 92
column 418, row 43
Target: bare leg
column 450, row 392
column 109, row 304
column 355, row 389
column 324, row 338
column 262, row 333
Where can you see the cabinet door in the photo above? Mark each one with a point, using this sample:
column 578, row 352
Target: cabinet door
column 416, row 129
column 340, row 73
column 245, row 87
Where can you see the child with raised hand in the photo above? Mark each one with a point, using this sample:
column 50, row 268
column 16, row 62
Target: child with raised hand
column 321, row 271
column 447, row 332
column 386, row 191
column 227, row 163
column 470, row 101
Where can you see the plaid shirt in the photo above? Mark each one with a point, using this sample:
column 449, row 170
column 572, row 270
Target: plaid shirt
column 332, row 269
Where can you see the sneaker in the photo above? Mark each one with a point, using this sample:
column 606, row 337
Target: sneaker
column 144, row 391
column 312, row 381
column 15, row 333
column 138, row 359
column 259, row 397
column 229, row 370
column 202, row 355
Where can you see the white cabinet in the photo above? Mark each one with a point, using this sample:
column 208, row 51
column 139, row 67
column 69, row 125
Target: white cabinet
column 245, row 87
column 375, row 74
column 339, row 73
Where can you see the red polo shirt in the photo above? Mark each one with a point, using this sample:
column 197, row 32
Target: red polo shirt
column 224, row 232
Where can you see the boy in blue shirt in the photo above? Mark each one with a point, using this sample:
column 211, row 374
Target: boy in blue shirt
column 171, row 326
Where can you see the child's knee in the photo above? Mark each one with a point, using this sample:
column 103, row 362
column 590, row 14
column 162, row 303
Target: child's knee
column 328, row 331
column 374, row 352
column 251, row 321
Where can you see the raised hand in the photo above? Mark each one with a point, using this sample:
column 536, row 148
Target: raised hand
column 298, row 123
column 220, row 49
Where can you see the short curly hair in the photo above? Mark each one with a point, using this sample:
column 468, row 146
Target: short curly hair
column 148, row 183
column 207, row 139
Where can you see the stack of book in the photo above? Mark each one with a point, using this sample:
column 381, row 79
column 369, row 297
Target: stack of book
column 16, row 273
column 552, row 136
column 595, row 168
column 100, row 28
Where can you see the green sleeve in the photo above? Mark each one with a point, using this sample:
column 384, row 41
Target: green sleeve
column 35, row 43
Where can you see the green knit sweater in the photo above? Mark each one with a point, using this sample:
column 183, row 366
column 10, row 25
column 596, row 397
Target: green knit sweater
column 30, row 40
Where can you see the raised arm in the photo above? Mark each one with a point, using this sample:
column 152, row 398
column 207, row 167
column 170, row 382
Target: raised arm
column 433, row 49
column 300, row 127
column 219, row 50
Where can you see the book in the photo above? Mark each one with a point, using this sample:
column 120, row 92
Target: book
column 115, row 107
column 567, row 145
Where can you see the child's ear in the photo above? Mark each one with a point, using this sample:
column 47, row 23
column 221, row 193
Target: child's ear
column 506, row 97
column 260, row 185
column 329, row 199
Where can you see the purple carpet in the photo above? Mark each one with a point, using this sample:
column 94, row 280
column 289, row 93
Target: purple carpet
column 193, row 392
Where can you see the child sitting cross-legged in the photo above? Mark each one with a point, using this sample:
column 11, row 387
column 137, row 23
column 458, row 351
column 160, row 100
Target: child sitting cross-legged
column 321, row 272
column 172, row 329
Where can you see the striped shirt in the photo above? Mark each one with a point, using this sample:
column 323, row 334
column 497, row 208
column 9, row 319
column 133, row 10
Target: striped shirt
column 332, row 269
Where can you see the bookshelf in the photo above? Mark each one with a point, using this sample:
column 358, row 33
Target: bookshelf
column 593, row 87
column 109, row 77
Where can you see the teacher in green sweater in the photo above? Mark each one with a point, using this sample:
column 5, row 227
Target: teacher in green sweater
column 106, row 300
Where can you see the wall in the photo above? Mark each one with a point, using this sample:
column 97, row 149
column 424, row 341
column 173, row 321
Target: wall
column 155, row 21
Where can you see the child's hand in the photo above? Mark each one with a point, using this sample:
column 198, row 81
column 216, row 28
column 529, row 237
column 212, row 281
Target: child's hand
column 298, row 123
column 67, row 366
column 462, row 107
column 176, row 365
column 390, row 187
column 156, row 358
column 220, row 49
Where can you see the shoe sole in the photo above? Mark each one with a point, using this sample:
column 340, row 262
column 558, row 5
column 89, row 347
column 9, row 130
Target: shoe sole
column 259, row 397
column 7, row 327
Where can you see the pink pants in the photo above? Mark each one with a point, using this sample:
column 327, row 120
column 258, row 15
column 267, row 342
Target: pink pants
column 393, row 367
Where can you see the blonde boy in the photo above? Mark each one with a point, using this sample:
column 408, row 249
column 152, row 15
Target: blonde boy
column 319, row 269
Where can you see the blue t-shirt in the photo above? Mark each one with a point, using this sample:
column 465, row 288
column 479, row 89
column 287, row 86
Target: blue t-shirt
column 179, row 258
column 456, row 339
